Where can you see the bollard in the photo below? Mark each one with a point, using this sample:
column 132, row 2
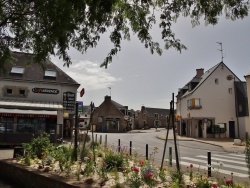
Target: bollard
column 146, row 151
column 170, row 156
column 119, row 145
column 130, row 148
column 209, row 164
column 106, row 140
column 95, row 137
column 100, row 139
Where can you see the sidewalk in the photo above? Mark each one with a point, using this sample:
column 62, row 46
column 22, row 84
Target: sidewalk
column 226, row 143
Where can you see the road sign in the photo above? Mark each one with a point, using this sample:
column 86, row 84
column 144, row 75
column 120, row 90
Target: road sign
column 82, row 92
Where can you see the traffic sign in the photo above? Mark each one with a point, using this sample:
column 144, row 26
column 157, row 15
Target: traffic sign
column 82, row 92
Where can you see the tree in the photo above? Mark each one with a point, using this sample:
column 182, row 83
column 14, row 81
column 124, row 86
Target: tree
column 51, row 27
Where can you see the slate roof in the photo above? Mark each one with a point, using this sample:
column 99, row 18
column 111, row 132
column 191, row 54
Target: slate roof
column 119, row 106
column 152, row 111
column 205, row 76
column 34, row 72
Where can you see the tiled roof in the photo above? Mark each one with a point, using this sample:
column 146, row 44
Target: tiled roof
column 117, row 104
column 152, row 111
column 34, row 71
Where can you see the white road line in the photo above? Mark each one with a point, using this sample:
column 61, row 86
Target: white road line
column 220, row 171
column 237, row 155
column 230, row 157
column 215, row 164
column 221, row 159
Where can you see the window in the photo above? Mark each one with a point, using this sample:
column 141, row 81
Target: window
column 216, row 81
column 156, row 116
column 9, row 91
column 50, row 74
column 22, row 92
column 194, row 103
column 31, row 125
column 6, row 124
column 17, row 70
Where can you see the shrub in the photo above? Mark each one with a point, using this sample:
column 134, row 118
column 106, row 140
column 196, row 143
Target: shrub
column 113, row 161
column 39, row 146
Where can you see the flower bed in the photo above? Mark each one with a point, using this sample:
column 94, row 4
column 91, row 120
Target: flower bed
column 100, row 166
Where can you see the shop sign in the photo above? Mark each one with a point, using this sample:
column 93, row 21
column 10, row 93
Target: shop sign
column 45, row 90
column 27, row 115
column 69, row 101
column 80, row 106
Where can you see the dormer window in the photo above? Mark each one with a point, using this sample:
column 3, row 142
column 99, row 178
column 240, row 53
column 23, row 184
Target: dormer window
column 50, row 74
column 17, row 70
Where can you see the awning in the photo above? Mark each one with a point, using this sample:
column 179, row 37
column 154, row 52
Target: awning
column 27, row 113
column 33, row 105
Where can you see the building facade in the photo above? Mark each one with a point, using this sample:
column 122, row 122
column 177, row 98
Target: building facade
column 208, row 106
column 111, row 116
column 34, row 98
column 152, row 117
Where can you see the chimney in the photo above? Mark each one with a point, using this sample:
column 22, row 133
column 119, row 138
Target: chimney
column 107, row 98
column 199, row 73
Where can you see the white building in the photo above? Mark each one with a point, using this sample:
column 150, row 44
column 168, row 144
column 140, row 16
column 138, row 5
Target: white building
column 213, row 105
column 34, row 98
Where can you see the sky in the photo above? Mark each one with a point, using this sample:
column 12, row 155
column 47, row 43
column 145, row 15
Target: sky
column 138, row 78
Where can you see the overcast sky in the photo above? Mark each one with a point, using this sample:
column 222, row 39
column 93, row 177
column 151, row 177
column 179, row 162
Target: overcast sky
column 138, row 78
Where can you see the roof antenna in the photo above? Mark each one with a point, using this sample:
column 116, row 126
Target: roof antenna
column 221, row 50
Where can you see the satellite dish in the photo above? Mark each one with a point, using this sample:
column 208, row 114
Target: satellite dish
column 230, row 77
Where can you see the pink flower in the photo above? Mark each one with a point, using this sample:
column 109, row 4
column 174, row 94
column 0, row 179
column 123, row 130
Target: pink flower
column 191, row 165
column 141, row 163
column 149, row 175
column 229, row 182
column 135, row 169
column 214, row 185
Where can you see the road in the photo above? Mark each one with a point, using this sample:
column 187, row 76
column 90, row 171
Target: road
column 189, row 152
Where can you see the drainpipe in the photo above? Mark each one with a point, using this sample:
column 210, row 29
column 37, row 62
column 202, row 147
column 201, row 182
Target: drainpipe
column 236, row 108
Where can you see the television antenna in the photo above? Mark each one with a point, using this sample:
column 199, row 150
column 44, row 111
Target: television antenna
column 221, row 50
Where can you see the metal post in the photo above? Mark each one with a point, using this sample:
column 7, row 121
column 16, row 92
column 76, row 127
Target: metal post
column 209, row 163
column 130, row 148
column 106, row 141
column 175, row 144
column 146, row 151
column 76, row 131
column 100, row 139
column 170, row 156
column 96, row 138
column 119, row 145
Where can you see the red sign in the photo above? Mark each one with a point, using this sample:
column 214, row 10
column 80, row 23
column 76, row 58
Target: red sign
column 82, row 92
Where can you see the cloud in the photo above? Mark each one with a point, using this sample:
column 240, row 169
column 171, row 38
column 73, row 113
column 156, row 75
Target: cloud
column 90, row 75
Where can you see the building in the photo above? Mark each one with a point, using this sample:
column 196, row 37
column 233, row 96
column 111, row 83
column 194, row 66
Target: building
column 152, row 117
column 111, row 116
column 212, row 104
column 35, row 98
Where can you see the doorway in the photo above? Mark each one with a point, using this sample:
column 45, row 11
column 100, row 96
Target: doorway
column 231, row 129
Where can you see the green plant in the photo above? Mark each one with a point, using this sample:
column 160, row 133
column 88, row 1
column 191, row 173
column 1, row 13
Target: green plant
column 147, row 173
column 39, row 146
column 177, row 178
column 247, row 153
column 113, row 160
column 134, row 179
column 89, row 166
column 203, row 182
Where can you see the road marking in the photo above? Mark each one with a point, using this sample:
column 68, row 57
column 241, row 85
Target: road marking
column 216, row 164
column 230, row 157
column 220, row 171
column 221, row 159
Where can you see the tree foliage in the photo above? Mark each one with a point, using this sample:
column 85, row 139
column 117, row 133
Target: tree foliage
column 51, row 27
